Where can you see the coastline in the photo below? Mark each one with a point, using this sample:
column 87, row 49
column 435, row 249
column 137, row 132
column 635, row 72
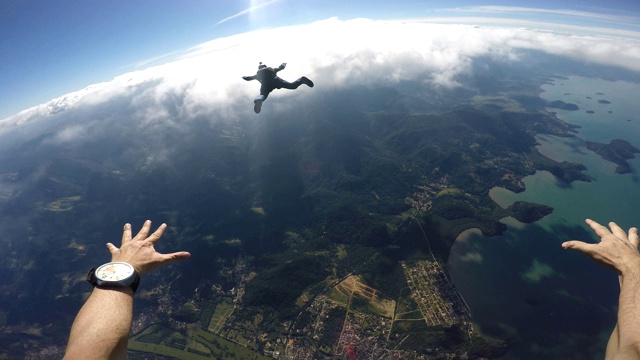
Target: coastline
column 530, row 276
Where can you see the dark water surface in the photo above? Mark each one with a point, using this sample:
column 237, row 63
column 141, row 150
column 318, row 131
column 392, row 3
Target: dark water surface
column 551, row 303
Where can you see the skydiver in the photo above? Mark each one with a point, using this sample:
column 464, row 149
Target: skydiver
column 270, row 81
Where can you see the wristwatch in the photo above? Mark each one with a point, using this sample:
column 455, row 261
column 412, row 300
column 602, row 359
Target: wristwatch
column 114, row 275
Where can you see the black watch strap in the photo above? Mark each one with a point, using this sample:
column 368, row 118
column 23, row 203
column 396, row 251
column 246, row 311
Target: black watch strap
column 91, row 278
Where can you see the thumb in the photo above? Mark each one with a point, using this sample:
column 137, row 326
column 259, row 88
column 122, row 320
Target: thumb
column 176, row 256
column 112, row 248
column 577, row 245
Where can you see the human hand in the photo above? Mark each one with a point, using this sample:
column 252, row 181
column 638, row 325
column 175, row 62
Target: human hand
column 139, row 251
column 283, row 65
column 617, row 249
column 246, row 78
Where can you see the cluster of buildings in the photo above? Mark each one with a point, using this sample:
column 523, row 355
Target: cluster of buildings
column 436, row 297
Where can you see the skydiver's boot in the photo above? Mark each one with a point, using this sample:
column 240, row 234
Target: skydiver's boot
column 257, row 103
column 305, row 80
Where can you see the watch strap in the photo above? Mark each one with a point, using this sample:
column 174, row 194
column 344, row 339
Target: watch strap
column 91, row 279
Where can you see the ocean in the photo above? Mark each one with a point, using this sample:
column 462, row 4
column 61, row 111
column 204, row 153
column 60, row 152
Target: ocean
column 522, row 286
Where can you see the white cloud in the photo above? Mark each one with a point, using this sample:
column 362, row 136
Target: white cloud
column 71, row 134
column 334, row 53
column 537, row 272
column 475, row 257
column 512, row 10
column 246, row 11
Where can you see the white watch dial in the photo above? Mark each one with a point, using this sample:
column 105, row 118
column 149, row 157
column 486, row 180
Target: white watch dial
column 114, row 271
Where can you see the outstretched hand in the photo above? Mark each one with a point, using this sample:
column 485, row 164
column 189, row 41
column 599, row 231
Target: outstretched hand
column 139, row 251
column 617, row 249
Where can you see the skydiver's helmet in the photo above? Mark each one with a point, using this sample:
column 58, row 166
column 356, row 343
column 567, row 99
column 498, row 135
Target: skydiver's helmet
column 261, row 66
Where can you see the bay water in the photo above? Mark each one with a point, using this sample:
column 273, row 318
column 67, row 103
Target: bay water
column 552, row 303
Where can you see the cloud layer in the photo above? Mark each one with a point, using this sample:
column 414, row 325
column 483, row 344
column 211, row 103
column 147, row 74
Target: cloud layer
column 334, row 53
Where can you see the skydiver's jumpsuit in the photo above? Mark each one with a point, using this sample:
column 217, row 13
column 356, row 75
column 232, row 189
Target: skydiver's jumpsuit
column 270, row 81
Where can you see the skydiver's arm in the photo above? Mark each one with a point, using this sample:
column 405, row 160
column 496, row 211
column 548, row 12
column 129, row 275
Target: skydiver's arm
column 628, row 333
column 613, row 344
column 102, row 326
column 619, row 251
column 101, row 329
column 249, row 78
column 281, row 67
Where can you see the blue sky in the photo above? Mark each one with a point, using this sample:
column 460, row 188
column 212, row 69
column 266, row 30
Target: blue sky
column 50, row 48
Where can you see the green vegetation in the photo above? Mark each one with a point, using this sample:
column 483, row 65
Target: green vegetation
column 188, row 312
column 222, row 312
column 528, row 212
column 376, row 178
column 332, row 328
column 407, row 308
column 196, row 344
column 617, row 151
column 280, row 286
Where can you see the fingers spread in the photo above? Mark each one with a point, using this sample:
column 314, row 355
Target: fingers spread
column 617, row 231
column 158, row 233
column 142, row 234
column 176, row 256
column 597, row 228
column 126, row 233
column 633, row 237
column 578, row 246
column 112, row 248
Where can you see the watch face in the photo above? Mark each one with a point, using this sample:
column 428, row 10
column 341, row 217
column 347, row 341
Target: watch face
column 114, row 271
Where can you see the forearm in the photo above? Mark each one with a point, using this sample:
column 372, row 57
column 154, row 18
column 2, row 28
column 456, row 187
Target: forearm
column 614, row 340
column 613, row 344
column 102, row 326
column 629, row 318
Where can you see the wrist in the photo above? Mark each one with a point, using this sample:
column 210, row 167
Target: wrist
column 115, row 274
column 130, row 261
column 630, row 275
column 125, row 291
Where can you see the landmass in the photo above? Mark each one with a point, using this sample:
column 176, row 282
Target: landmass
column 559, row 104
column 617, row 151
column 527, row 212
column 364, row 276
column 314, row 239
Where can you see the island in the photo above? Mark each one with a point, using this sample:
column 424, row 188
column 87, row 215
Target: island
column 617, row 151
column 342, row 248
column 527, row 212
column 559, row 104
column 321, row 235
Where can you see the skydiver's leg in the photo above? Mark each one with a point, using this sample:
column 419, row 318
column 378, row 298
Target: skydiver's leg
column 294, row 85
column 257, row 102
column 306, row 80
column 265, row 91
column 287, row 85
